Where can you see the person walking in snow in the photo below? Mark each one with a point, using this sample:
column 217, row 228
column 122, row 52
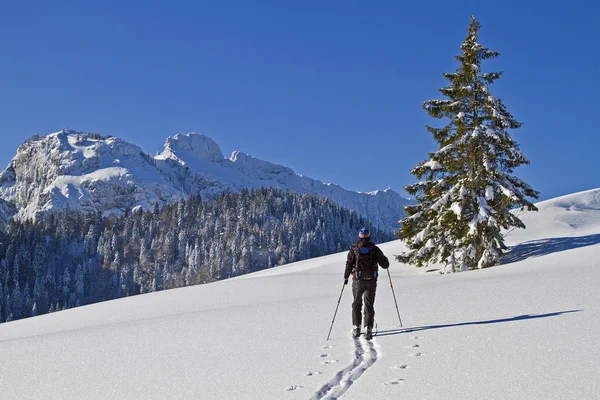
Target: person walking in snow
column 362, row 263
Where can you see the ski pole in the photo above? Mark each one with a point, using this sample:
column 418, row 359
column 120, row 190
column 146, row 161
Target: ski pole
column 336, row 309
column 390, row 276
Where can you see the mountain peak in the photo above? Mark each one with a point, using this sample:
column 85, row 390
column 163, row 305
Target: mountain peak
column 80, row 171
column 192, row 145
column 94, row 173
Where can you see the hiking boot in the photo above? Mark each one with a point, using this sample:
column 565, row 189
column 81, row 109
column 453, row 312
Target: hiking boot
column 368, row 333
column 356, row 331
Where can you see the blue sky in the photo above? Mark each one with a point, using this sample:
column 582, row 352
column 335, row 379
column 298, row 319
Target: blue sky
column 332, row 89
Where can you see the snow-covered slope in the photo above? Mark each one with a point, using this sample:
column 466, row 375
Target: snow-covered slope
column 71, row 170
column 574, row 214
column 524, row 330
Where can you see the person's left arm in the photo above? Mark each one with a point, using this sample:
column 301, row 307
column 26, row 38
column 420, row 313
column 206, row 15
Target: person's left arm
column 382, row 260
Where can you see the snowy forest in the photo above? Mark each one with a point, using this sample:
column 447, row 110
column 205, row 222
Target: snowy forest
column 71, row 259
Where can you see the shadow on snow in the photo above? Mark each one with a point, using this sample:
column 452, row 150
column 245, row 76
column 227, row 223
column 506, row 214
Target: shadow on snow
column 544, row 247
column 490, row 321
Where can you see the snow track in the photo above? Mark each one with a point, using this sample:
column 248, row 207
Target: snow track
column 365, row 354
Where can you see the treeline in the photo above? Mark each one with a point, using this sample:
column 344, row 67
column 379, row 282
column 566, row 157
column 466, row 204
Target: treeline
column 72, row 259
column 80, row 137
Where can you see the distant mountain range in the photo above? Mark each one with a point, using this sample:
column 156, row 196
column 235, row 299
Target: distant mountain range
column 92, row 173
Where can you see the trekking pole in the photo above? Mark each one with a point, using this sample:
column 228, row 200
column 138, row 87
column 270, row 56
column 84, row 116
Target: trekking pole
column 336, row 308
column 390, row 276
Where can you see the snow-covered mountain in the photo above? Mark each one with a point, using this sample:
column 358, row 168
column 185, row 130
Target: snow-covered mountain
column 67, row 170
column 74, row 170
column 523, row 330
column 202, row 158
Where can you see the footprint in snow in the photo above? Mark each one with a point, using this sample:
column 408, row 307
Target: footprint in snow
column 293, row 387
column 418, row 354
column 395, row 382
column 416, row 345
column 402, row 366
column 327, row 362
column 324, row 355
column 328, row 347
column 313, row 373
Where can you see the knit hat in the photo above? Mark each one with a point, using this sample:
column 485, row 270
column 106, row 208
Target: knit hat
column 364, row 233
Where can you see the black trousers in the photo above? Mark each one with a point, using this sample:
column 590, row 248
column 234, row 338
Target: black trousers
column 363, row 289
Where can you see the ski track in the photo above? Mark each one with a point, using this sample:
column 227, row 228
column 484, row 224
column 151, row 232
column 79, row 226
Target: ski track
column 365, row 355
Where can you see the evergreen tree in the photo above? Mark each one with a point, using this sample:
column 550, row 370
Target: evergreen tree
column 7, row 304
column 79, row 284
column 466, row 189
column 65, row 285
column 17, row 302
column 27, row 302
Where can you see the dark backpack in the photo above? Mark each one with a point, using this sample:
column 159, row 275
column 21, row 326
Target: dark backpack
column 366, row 264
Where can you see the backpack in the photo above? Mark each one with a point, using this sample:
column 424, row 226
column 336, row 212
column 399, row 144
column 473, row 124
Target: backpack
column 366, row 265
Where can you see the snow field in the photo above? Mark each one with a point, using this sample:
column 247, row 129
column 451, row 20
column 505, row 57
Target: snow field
column 524, row 330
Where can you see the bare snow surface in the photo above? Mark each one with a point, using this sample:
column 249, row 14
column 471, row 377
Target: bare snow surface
column 527, row 329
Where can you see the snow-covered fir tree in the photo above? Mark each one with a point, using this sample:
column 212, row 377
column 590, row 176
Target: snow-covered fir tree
column 466, row 189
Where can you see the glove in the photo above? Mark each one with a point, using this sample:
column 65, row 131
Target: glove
column 345, row 281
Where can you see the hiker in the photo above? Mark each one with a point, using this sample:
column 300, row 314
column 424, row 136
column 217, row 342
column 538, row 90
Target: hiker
column 362, row 263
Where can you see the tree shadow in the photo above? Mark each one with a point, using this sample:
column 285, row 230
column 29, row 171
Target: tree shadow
column 544, row 247
column 486, row 322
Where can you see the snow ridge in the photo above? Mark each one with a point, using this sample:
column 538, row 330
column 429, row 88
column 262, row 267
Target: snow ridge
column 199, row 162
column 70, row 170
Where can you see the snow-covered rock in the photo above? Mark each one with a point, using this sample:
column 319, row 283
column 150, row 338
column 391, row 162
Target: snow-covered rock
column 196, row 146
column 70, row 170
column 74, row 170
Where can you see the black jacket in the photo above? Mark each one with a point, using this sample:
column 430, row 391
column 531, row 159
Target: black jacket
column 368, row 270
